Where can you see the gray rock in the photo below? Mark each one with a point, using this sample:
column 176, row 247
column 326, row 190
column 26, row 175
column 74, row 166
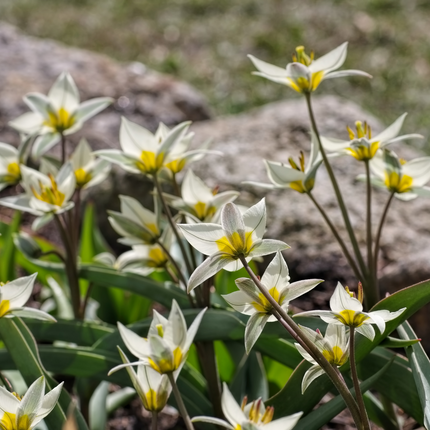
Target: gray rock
column 280, row 130
column 31, row 64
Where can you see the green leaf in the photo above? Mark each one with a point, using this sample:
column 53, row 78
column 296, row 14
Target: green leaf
column 393, row 342
column 398, row 384
column 98, row 411
column 377, row 414
column 7, row 254
column 82, row 333
column 22, row 347
column 420, row 366
column 141, row 285
column 316, row 419
column 64, row 307
column 119, row 398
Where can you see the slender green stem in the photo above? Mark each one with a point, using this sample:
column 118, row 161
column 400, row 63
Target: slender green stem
column 77, row 218
column 63, row 148
column 335, row 233
column 154, row 420
column 172, row 223
column 176, row 186
column 336, row 188
column 298, row 335
column 180, row 403
column 379, row 232
column 358, row 395
column 172, row 274
column 207, row 359
column 71, row 268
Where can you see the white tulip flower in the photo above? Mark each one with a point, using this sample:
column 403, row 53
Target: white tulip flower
column 250, row 301
column 25, row 413
column 58, row 113
column 253, row 416
column 347, row 310
column 168, row 342
column 362, row 146
column 334, row 346
column 237, row 236
column 305, row 74
column 14, row 295
column 88, row 170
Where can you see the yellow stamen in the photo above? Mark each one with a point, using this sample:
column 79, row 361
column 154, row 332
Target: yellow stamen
column 13, row 173
column 396, row 183
column 4, row 307
column 60, row 120
column 268, row 415
column 176, row 166
column 150, row 163
column 49, row 194
column 351, row 318
column 335, row 356
column 244, row 402
column 166, row 366
column 82, row 177
column 235, row 246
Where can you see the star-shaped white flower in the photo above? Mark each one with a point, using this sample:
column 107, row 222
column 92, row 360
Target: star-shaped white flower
column 26, row 412
column 406, row 179
column 58, row 113
column 237, row 236
column 250, row 301
column 334, row 346
column 347, row 310
column 168, row 342
column 141, row 151
column 88, row 170
column 362, row 145
column 198, row 201
column 15, row 294
column 252, row 416
column 297, row 176
column 305, row 74
column 152, row 387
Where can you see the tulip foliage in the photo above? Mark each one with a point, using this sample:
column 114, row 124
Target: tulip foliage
column 182, row 317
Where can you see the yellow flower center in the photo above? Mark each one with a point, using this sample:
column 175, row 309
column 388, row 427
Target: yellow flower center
column 300, row 56
column 49, row 194
column 60, row 120
column 13, row 173
column 82, row 177
column 264, row 306
column 398, row 183
column 165, row 365
column 255, row 415
column 149, row 162
column 303, row 84
column 157, row 257
column 8, row 422
column 153, row 401
column 176, row 166
column 4, row 307
column 364, row 152
column 235, row 245
column 202, row 210
column 335, row 356
column 351, row 318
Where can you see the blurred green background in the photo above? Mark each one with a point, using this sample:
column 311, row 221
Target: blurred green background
column 205, row 43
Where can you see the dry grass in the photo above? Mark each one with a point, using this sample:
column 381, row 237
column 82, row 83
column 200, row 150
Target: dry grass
column 205, row 42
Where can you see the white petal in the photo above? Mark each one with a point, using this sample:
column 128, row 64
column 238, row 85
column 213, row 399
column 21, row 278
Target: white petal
column 32, row 313
column 39, row 103
column 21, row 203
column 276, row 274
column 341, row 300
column 345, row 73
column 248, row 288
column 91, row 107
column 192, row 330
column 255, row 219
column 207, row 269
column 138, row 346
column 313, row 373
column 176, row 330
column 281, row 174
column 82, row 155
column 174, row 137
column 419, row 170
column 30, row 122
column 194, row 190
column 254, row 327
column 330, row 61
column 366, row 330
column 331, row 144
column 134, row 139
column 203, row 236
column 18, row 291
column 8, row 402
column 304, row 354
column 32, row 400
column 44, row 143
column 392, row 131
column 297, row 289
column 267, row 246
column 64, row 94
column 284, row 423
column 232, row 222
column 49, row 402
column 267, row 68
column 133, row 210
column 231, row 409
column 211, row 420
column 127, row 162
